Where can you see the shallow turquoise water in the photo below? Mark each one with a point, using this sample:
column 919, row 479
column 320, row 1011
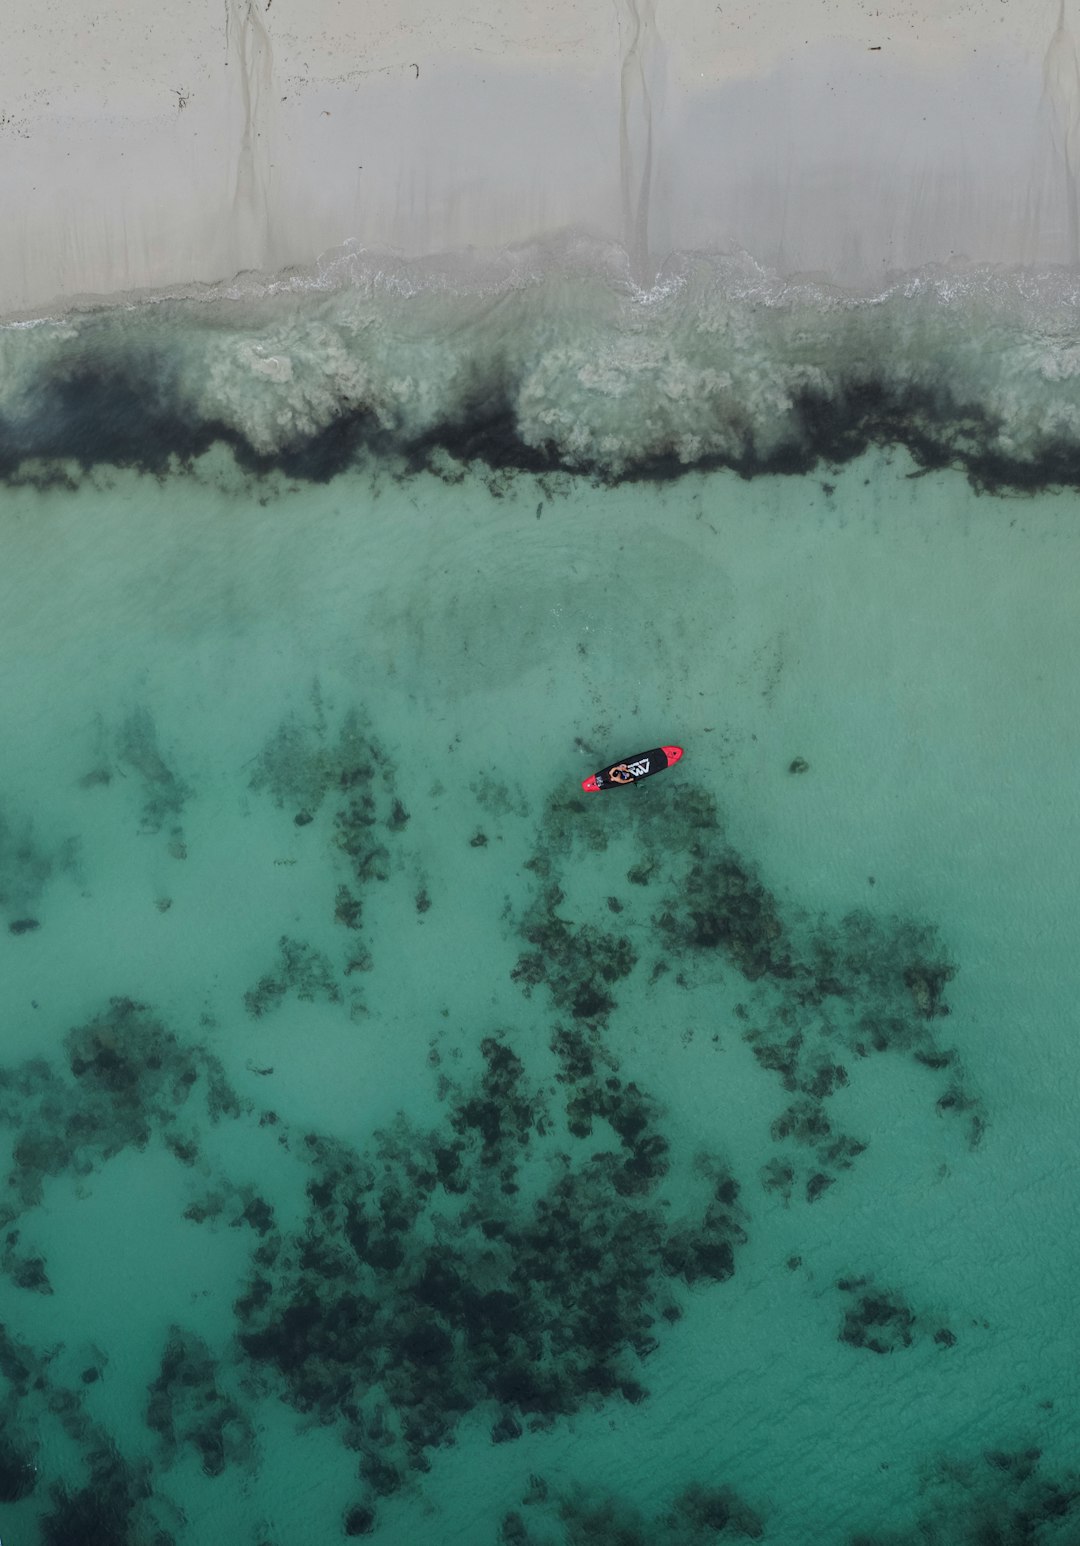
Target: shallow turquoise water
column 475, row 1161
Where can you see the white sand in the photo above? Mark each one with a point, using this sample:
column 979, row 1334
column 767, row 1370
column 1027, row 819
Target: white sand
column 191, row 142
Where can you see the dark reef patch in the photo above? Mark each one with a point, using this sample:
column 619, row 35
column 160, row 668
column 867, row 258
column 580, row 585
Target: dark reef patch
column 698, row 1516
column 431, row 1278
column 302, row 767
column 359, row 1521
column 822, row 994
column 128, row 1077
column 187, row 1406
column 104, row 1499
column 164, row 795
column 1001, row 1498
column 301, row 970
column 26, row 867
column 580, row 965
column 720, row 905
column 523, row 1258
column 239, row 1206
column 26, row 1270
column 630, row 1114
column 18, row 1476
column 497, row 797
column 880, row 1320
column 112, row 1509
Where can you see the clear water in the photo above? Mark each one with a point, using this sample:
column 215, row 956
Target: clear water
column 477, row 1161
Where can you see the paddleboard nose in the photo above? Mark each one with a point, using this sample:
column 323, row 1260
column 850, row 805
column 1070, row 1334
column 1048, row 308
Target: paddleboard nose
column 672, row 753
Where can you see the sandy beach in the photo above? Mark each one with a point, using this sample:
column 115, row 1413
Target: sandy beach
column 211, row 140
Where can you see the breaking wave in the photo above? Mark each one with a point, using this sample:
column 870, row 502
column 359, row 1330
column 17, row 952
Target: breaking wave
column 551, row 357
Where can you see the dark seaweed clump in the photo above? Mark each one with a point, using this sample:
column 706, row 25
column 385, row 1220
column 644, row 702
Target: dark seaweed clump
column 579, row 965
column 527, row 1302
column 698, row 1516
column 820, row 994
column 129, row 1076
column 304, row 769
column 108, row 1501
column 26, row 867
column 18, row 1477
column 593, row 1096
column 188, row 1406
column 302, row 970
column 164, row 794
column 111, row 1510
column 238, row 1205
column 25, row 1269
column 880, row 1320
column 1001, row 1498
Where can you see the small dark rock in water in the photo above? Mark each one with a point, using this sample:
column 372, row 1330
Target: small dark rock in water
column 23, row 926
column 478, row 840
column 798, row 765
column 303, row 819
column 614, row 904
column 423, row 901
column 359, row 1521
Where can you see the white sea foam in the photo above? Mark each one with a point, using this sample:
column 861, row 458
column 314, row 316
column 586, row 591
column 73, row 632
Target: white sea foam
column 719, row 359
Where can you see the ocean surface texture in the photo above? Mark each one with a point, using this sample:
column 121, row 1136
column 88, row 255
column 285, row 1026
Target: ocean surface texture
column 401, row 1144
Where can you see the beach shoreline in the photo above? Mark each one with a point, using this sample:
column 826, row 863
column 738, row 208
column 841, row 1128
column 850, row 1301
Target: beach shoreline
column 210, row 143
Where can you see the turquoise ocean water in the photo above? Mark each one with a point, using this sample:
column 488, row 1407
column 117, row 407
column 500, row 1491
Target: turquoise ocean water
column 403, row 1145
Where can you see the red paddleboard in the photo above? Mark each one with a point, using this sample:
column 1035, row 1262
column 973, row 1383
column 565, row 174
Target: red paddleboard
column 631, row 770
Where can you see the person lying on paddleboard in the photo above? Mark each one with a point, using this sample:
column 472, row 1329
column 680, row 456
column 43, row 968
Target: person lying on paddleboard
column 631, row 770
